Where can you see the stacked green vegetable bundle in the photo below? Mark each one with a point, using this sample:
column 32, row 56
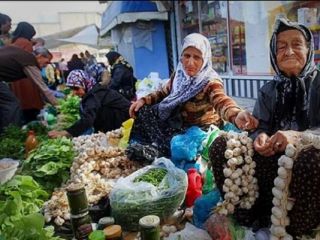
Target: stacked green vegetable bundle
column 158, row 189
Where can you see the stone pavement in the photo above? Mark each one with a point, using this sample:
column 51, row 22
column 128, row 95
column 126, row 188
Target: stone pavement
column 246, row 103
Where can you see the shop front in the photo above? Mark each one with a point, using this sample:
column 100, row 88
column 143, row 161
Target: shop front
column 239, row 33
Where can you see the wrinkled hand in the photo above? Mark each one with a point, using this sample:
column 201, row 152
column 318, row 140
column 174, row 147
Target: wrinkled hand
column 134, row 108
column 280, row 139
column 263, row 146
column 245, row 121
column 56, row 134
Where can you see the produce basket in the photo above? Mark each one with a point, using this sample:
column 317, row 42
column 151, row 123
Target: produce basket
column 130, row 200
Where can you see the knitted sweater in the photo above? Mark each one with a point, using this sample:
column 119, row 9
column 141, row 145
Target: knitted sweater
column 210, row 106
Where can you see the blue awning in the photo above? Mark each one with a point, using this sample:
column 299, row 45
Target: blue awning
column 130, row 11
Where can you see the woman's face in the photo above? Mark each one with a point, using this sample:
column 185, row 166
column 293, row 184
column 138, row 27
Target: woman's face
column 191, row 61
column 292, row 52
column 79, row 91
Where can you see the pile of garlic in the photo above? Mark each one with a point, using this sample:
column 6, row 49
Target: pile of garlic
column 240, row 185
column 282, row 201
column 97, row 165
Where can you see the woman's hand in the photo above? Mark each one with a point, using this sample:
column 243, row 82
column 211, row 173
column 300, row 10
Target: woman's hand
column 280, row 139
column 263, row 146
column 135, row 107
column 245, row 121
column 56, row 134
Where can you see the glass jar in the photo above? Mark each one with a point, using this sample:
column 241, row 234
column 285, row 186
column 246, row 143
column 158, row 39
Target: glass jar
column 81, row 225
column 77, row 199
column 150, row 227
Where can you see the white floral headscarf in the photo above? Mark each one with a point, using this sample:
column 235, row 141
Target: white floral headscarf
column 184, row 86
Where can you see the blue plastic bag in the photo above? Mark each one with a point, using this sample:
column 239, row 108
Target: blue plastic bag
column 203, row 207
column 186, row 146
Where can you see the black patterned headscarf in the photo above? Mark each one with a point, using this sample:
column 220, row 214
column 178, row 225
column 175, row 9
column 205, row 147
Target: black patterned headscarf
column 293, row 92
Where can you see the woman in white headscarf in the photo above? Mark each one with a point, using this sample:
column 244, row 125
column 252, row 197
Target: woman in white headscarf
column 194, row 96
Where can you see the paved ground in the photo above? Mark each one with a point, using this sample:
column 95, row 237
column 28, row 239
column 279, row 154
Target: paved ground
column 246, row 103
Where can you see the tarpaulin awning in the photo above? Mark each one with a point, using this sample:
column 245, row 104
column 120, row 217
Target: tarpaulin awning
column 87, row 35
column 130, row 11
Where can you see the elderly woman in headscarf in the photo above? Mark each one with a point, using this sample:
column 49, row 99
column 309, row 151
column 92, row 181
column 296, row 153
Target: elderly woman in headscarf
column 31, row 99
column 286, row 107
column 194, row 96
column 101, row 107
column 122, row 77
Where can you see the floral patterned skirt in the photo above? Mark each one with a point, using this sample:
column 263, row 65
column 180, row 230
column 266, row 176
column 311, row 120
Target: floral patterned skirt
column 149, row 129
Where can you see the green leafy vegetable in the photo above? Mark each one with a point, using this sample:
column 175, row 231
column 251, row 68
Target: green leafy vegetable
column 153, row 176
column 50, row 163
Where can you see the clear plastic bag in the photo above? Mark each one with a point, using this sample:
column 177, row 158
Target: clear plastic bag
column 131, row 200
column 186, row 146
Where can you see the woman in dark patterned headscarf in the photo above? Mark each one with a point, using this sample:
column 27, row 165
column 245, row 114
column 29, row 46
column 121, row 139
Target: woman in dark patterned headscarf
column 122, row 78
column 285, row 108
column 101, row 108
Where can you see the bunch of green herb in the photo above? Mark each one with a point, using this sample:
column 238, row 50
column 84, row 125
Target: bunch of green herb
column 12, row 142
column 69, row 111
column 153, row 176
column 50, row 163
column 20, row 201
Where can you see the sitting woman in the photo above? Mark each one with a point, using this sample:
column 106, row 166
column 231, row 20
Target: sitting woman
column 194, row 96
column 286, row 107
column 102, row 108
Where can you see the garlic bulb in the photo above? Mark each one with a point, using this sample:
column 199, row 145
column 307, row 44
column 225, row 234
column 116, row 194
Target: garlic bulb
column 240, row 187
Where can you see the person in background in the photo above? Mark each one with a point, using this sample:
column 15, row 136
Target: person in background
column 75, row 63
column 15, row 64
column 101, row 107
column 38, row 42
column 5, row 26
column 122, row 77
column 63, row 69
column 286, row 107
column 194, row 96
column 28, row 93
column 91, row 60
column 50, row 76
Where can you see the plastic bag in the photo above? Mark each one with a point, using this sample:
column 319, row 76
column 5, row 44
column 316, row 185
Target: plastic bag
column 131, row 200
column 126, row 130
column 190, row 232
column 203, row 207
column 218, row 227
column 186, row 146
column 212, row 134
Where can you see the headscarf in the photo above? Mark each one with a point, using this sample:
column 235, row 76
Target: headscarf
column 24, row 30
column 95, row 71
column 79, row 78
column 184, row 86
column 293, row 93
column 112, row 56
column 115, row 58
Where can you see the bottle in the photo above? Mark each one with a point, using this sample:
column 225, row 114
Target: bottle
column 79, row 211
column 31, row 142
column 194, row 187
column 150, row 227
